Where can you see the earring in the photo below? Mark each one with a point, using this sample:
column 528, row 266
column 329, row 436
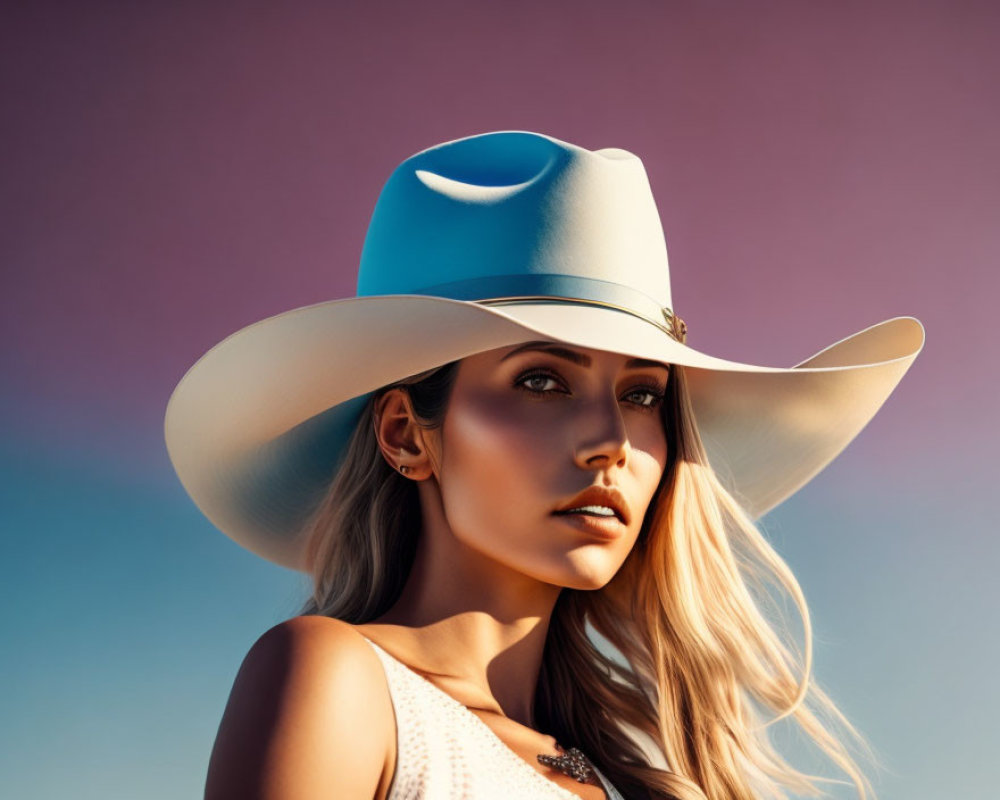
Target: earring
column 404, row 469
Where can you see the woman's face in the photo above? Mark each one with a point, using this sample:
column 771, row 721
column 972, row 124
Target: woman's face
column 536, row 430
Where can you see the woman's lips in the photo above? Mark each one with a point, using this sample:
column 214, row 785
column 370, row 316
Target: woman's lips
column 604, row 527
column 608, row 497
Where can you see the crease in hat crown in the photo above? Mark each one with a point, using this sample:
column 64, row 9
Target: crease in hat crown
column 515, row 214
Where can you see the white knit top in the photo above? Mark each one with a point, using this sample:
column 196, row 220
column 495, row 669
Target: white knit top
column 445, row 752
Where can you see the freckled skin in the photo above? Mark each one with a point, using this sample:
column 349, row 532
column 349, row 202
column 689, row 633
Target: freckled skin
column 508, row 457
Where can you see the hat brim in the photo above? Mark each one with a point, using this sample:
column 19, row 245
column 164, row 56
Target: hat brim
column 256, row 427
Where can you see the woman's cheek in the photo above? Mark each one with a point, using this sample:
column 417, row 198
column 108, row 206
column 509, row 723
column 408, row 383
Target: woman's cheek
column 479, row 467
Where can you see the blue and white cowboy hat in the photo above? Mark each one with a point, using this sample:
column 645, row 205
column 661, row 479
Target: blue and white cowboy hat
column 486, row 242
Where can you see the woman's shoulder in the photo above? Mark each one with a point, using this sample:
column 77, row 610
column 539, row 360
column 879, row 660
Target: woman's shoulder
column 327, row 658
column 316, row 641
column 291, row 725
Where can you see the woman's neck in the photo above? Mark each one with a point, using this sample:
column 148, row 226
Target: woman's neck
column 474, row 625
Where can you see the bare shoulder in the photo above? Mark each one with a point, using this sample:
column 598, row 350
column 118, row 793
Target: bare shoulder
column 309, row 716
column 313, row 643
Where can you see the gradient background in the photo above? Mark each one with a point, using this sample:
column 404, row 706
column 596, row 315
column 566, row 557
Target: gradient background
column 173, row 172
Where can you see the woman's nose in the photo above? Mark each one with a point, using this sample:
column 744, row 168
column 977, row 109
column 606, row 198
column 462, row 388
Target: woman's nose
column 603, row 439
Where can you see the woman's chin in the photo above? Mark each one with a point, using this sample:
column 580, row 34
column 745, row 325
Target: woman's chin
column 585, row 577
column 589, row 584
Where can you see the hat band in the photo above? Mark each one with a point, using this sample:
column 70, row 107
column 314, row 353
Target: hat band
column 548, row 287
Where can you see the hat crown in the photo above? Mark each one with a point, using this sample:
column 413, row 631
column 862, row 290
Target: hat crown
column 514, row 213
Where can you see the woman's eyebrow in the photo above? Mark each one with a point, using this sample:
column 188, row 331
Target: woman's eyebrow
column 645, row 363
column 579, row 358
column 551, row 349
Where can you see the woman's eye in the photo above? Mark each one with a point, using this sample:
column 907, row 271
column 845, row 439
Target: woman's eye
column 646, row 398
column 537, row 382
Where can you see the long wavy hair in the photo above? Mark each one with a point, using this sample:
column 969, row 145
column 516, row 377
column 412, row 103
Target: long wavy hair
column 690, row 667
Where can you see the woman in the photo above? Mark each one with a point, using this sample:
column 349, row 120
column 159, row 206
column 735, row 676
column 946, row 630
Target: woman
column 526, row 504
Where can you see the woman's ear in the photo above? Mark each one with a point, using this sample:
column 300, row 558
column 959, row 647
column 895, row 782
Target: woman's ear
column 403, row 442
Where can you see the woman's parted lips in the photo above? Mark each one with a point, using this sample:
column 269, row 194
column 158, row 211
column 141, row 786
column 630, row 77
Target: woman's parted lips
column 599, row 496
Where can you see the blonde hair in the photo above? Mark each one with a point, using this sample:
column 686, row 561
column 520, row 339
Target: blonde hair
column 698, row 662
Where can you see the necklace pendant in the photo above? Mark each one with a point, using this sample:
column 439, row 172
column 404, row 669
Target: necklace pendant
column 572, row 763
